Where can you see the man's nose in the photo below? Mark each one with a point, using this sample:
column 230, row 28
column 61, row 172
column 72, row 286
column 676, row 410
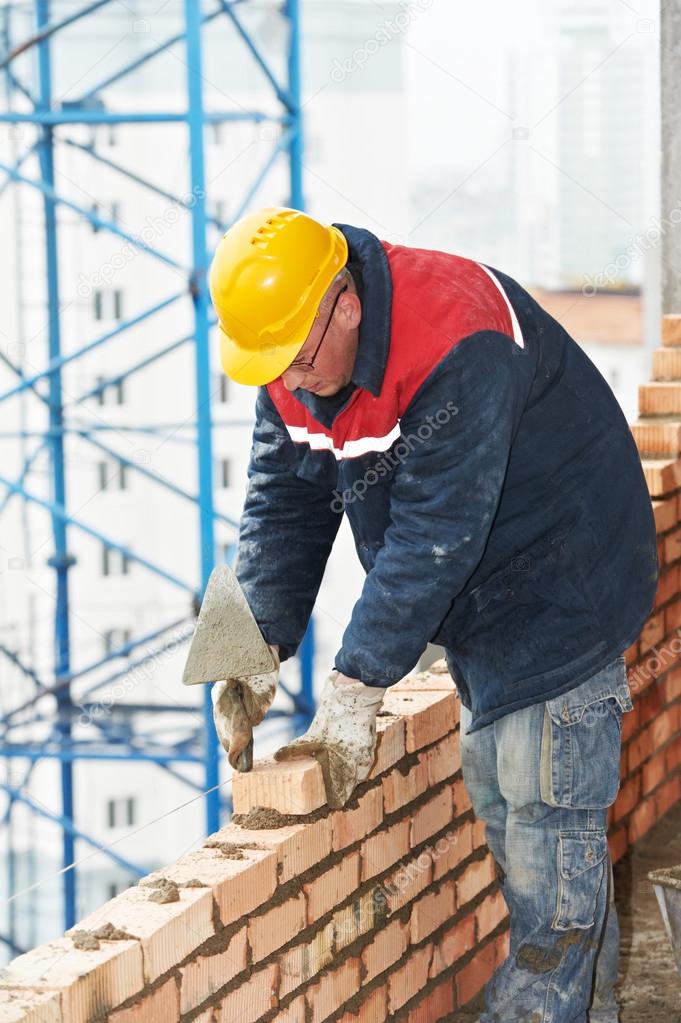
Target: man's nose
column 291, row 379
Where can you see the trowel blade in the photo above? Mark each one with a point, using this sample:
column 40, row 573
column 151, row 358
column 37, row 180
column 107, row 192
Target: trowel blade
column 227, row 642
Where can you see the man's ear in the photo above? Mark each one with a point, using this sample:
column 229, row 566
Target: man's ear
column 350, row 310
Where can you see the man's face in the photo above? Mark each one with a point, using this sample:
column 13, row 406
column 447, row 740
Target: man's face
column 337, row 327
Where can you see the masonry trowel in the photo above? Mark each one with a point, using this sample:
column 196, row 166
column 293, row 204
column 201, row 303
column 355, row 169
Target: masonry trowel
column 227, row 642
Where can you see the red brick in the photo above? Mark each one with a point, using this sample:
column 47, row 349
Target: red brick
column 382, row 849
column 374, row 1008
column 332, row 990
column 431, row 817
column 479, row 834
column 442, row 760
column 432, row 910
column 490, row 913
column 663, row 727
column 163, row 1004
column 476, row 877
column 291, row 786
column 673, row 755
column 348, row 826
column 297, row 846
column 92, row 982
column 672, row 546
column 404, row 982
column 653, row 630
column 451, row 849
column 671, row 329
column 168, row 932
column 672, row 683
column 673, row 616
column 652, row 773
column 667, row 796
column 305, row 960
column 20, row 1005
column 389, row 945
column 280, row 924
column 239, row 885
column 624, row 762
column 400, row 788
column 293, row 1013
column 642, row 819
column 361, row 915
column 668, row 586
column 205, row 975
column 439, row 1002
column 328, row 890
column 642, row 676
column 390, row 743
column 461, row 799
column 627, row 798
column 631, row 722
column 651, row 705
column 618, row 841
column 427, row 715
column 405, row 883
column 453, row 944
column 666, row 514
column 252, row 999
column 475, row 974
column 640, row 748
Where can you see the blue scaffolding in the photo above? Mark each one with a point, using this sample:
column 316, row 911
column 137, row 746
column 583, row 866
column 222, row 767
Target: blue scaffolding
column 32, row 104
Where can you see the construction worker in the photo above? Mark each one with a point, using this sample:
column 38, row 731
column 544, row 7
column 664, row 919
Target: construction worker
column 499, row 509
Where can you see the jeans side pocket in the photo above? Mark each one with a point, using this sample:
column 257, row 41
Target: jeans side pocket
column 582, row 861
column 581, row 742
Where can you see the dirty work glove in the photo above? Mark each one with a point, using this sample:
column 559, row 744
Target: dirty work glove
column 238, row 704
column 341, row 736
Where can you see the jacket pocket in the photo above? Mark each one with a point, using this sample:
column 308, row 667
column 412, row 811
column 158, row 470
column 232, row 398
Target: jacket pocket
column 581, row 868
column 581, row 739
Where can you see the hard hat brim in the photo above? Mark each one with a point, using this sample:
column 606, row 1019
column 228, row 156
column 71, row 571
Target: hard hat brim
column 255, row 368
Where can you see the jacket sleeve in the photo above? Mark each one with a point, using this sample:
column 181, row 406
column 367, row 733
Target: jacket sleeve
column 287, row 529
column 456, row 437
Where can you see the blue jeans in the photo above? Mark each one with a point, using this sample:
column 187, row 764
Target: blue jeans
column 542, row 779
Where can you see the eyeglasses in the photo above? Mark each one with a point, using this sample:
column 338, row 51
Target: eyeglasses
column 309, row 363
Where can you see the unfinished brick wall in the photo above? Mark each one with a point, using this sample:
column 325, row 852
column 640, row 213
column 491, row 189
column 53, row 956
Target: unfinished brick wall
column 387, row 909
column 651, row 734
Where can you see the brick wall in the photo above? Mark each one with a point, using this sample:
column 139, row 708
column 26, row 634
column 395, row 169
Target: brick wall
column 387, row 909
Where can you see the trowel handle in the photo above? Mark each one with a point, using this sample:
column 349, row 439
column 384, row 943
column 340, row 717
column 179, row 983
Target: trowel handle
column 244, row 761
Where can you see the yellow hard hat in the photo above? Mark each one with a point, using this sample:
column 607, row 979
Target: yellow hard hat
column 268, row 276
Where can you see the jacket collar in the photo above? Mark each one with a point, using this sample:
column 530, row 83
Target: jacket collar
column 367, row 253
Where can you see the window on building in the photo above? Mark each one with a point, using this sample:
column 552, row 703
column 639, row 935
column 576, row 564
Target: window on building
column 121, row 812
column 221, row 389
column 109, row 211
column 107, row 304
column 220, row 210
column 115, row 639
column 222, row 467
column 114, row 562
column 112, row 475
column 114, row 394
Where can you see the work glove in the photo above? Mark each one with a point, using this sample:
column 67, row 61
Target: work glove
column 341, row 736
column 238, row 705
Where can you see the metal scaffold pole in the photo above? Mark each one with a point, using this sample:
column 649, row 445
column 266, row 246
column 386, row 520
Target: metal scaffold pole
column 42, row 723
